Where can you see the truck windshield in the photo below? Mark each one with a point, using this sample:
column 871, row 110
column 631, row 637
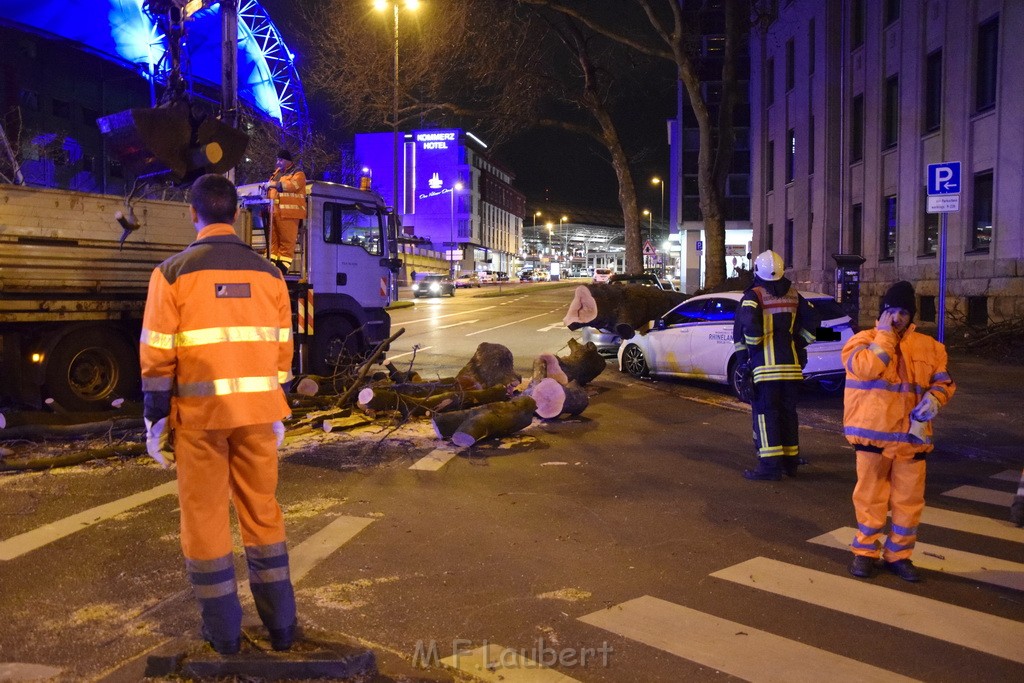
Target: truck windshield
column 353, row 224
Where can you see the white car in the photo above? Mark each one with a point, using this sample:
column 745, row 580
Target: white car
column 602, row 275
column 694, row 340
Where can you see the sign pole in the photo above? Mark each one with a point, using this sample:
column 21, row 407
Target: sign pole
column 941, row 332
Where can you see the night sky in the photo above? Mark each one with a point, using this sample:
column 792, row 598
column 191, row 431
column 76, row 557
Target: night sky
column 554, row 169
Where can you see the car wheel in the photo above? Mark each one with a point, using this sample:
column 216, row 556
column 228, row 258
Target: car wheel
column 734, row 376
column 452, row 292
column 634, row 362
column 831, row 385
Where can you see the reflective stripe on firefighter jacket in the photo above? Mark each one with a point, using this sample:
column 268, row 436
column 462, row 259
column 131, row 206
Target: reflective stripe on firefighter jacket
column 216, row 342
column 773, row 329
column 886, row 377
column 290, row 200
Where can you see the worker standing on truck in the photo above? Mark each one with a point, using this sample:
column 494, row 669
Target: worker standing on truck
column 216, row 348
column 287, row 190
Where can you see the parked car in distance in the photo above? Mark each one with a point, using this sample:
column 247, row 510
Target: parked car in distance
column 501, row 276
column 467, row 280
column 694, row 340
column 487, row 277
column 647, row 279
column 602, row 274
column 433, row 285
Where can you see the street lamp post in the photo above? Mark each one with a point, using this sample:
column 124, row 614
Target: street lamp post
column 658, row 181
column 457, row 187
column 561, row 231
column 650, row 230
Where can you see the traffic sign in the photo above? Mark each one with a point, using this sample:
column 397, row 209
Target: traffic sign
column 943, row 203
column 944, row 178
column 700, row 245
column 649, row 249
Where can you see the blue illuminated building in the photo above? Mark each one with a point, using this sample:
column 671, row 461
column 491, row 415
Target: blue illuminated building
column 477, row 227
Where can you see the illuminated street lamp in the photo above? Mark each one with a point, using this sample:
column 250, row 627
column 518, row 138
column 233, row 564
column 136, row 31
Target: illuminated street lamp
column 457, row 187
column 561, row 232
column 657, row 181
column 549, row 226
column 382, row 5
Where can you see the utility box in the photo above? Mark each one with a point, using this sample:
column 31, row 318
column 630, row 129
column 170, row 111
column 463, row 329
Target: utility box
column 848, row 283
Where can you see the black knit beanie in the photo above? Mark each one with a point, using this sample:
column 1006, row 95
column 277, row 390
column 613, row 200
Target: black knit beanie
column 900, row 295
column 284, row 154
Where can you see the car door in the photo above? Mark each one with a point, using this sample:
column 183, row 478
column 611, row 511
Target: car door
column 670, row 347
column 711, row 343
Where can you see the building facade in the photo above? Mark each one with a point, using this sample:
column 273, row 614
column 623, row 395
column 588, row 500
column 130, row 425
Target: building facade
column 850, row 102
column 451, row 193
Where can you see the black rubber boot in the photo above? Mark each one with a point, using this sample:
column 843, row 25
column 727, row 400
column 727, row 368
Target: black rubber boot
column 768, row 469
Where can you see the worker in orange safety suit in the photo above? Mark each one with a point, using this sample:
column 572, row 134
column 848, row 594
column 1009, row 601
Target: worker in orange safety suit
column 215, row 349
column 287, row 192
column 896, row 381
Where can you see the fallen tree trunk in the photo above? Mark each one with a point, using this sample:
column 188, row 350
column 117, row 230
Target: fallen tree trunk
column 497, row 419
column 490, row 365
column 576, row 399
column 63, row 431
column 583, row 363
column 377, row 399
column 548, row 396
column 76, row 458
column 365, row 369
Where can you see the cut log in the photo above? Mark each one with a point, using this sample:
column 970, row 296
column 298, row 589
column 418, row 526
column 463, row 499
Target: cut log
column 490, row 365
column 307, row 386
column 340, row 423
column 378, row 399
column 576, row 399
column 624, row 308
column 76, row 458
column 499, row 419
column 583, row 363
column 549, row 397
column 365, row 369
column 546, row 365
column 400, row 376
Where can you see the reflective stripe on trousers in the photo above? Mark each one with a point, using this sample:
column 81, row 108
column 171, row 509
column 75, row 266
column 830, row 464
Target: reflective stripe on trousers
column 884, row 484
column 271, row 584
column 776, row 429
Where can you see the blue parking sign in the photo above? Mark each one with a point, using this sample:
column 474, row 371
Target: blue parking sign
column 700, row 245
column 944, row 178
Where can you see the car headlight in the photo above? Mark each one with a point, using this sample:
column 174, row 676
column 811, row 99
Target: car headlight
column 415, row 287
column 435, row 287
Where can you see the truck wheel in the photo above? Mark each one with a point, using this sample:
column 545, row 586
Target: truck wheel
column 89, row 368
column 335, row 345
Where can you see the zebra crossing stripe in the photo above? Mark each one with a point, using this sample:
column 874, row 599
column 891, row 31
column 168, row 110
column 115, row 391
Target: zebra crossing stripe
column 1008, row 475
column 981, row 495
column 973, row 524
column 948, row 560
column 317, row 547
column 958, row 625
column 727, row 646
column 434, row 460
column 17, row 546
column 496, row 663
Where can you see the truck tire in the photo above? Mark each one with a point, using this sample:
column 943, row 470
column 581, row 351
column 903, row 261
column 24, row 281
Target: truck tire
column 89, row 368
column 336, row 344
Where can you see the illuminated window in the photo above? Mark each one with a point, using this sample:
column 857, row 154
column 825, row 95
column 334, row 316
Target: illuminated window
column 888, row 235
column 981, row 227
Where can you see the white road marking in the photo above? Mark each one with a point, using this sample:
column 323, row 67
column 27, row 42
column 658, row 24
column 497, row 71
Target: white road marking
column 463, row 322
column 317, row 547
column 446, row 315
column 981, row 495
column 958, row 625
column 48, row 533
column 1008, row 475
column 973, row 524
column 554, row 326
column 948, row 560
column 497, row 663
column 13, row 671
column 434, row 460
column 514, row 322
column 727, row 646
column 408, row 353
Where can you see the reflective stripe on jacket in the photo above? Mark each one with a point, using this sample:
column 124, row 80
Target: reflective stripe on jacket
column 886, row 377
column 290, row 200
column 771, row 328
column 216, row 342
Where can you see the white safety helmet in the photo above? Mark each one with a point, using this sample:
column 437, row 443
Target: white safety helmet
column 768, row 266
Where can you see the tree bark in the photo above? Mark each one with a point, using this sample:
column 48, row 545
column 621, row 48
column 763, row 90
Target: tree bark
column 576, row 399
column 377, row 399
column 490, row 365
column 548, row 395
column 500, row 419
column 77, row 458
column 583, row 363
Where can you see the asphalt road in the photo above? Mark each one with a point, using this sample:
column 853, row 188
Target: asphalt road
column 624, row 538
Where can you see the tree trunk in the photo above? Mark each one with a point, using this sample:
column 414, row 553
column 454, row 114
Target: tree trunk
column 576, row 399
column 490, row 365
column 583, row 363
column 77, row 458
column 500, row 419
column 548, row 395
column 377, row 399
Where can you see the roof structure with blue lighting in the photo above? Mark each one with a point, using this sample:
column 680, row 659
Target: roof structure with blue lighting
column 121, row 31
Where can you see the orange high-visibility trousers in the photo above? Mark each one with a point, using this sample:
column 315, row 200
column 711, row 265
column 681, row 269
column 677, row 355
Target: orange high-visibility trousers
column 284, row 232
column 887, row 484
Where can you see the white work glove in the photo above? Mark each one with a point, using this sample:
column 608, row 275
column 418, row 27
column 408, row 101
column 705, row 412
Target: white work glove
column 926, row 409
column 158, row 443
column 278, row 428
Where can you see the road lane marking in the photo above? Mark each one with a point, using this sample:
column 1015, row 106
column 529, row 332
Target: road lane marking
column 48, row 533
column 434, row 460
column 958, row 625
column 1008, row 475
column 981, row 495
column 554, row 326
column 980, row 568
column 462, row 322
column 496, row 663
column 973, row 524
column 514, row 322
column 306, row 555
column 446, row 315
column 408, row 353
column 728, row 646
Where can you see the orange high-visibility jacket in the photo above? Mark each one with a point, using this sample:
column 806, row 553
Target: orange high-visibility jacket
column 216, row 341
column 290, row 200
column 886, row 377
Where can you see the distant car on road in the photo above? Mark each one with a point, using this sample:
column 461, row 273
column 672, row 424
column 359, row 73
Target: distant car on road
column 433, row 285
column 602, row 275
column 694, row 340
column 467, row 280
column 486, row 277
column 647, row 279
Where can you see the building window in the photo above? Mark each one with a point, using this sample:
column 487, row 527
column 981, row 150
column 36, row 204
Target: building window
column 857, row 129
column 892, row 11
column 787, row 256
column 737, row 185
column 690, row 186
column 790, row 66
column 769, row 82
column 930, row 232
column 769, row 236
column 857, row 229
column 977, row 311
column 927, row 308
column 790, row 155
column 981, row 227
column 892, row 111
column 810, row 146
column 712, row 91
column 769, row 180
column 888, row 236
column 810, row 46
column 933, row 92
column 985, row 64
column 857, row 23
column 714, row 45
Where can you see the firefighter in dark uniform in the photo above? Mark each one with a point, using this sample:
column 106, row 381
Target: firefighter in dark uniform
column 774, row 325
column 215, row 350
